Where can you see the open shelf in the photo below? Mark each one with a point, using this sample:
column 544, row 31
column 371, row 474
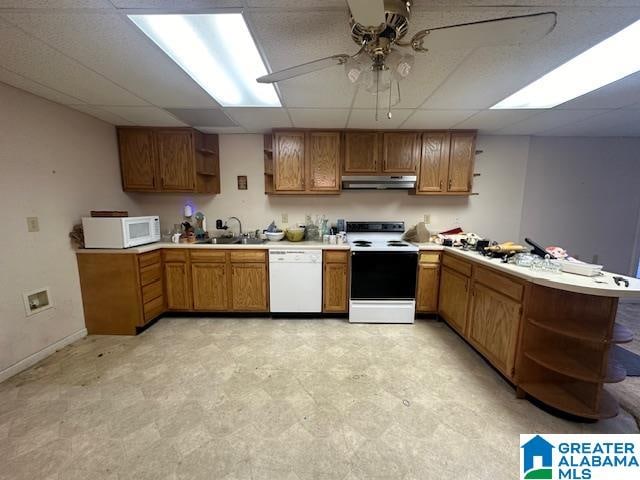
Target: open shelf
column 555, row 395
column 569, row 328
column 621, row 334
column 572, row 364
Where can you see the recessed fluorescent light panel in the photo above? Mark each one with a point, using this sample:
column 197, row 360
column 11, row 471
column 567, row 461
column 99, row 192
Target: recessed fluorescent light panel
column 217, row 51
column 606, row 62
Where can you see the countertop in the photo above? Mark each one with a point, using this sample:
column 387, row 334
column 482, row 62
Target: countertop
column 562, row 281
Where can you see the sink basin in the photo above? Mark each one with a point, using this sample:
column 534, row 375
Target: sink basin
column 223, row 240
column 251, row 241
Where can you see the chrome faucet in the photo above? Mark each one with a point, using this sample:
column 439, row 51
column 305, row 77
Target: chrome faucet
column 237, row 220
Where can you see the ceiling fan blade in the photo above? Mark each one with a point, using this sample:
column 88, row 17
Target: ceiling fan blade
column 304, row 68
column 500, row 31
column 368, row 13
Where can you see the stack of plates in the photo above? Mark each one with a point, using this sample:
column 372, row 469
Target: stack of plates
column 580, row 268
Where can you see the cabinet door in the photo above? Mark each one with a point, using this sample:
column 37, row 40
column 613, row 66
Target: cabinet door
column 428, row 286
column 249, row 287
column 210, row 286
column 176, row 159
column 323, row 153
column 288, row 162
column 401, row 151
column 335, row 288
column 176, row 280
column 361, row 153
column 493, row 327
column 453, row 299
column 137, row 159
column 461, row 157
column 434, row 162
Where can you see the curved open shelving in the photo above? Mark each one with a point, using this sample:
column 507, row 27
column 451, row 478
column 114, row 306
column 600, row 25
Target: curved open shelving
column 572, row 365
column 558, row 397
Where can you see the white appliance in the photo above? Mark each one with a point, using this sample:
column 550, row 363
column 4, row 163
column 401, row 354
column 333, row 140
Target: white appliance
column 295, row 281
column 383, row 273
column 120, row 232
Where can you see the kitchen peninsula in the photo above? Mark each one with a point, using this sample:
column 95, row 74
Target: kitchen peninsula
column 549, row 334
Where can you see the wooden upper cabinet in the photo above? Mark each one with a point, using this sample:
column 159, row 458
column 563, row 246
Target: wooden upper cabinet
column 361, row 153
column 168, row 160
column 400, row 153
column 323, row 153
column 434, row 162
column 137, row 159
column 461, row 157
column 289, row 161
column 176, row 159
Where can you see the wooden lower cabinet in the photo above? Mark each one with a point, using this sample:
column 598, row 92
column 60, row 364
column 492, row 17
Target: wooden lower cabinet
column 335, row 281
column 210, row 286
column 249, row 287
column 428, row 284
column 177, row 286
column 454, row 298
column 494, row 323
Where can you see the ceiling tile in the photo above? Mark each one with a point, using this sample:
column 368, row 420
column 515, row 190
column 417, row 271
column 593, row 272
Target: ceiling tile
column 491, row 74
column 146, row 116
column 489, row 121
column 546, row 120
column 624, row 92
column 114, row 47
column 102, row 114
column 222, row 130
column 616, row 123
column 206, row 117
column 36, row 88
column 176, row 4
column 258, row 120
column 318, row 117
column 34, row 59
column 48, row 4
column 367, row 118
column 436, row 119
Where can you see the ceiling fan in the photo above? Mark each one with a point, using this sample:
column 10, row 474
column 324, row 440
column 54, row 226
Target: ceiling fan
column 379, row 28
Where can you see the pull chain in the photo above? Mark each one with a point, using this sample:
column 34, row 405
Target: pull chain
column 377, row 91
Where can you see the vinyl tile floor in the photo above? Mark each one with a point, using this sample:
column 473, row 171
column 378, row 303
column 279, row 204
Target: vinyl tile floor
column 242, row 398
column 628, row 391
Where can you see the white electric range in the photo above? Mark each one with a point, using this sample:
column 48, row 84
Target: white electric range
column 383, row 273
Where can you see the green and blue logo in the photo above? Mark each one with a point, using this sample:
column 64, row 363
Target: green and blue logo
column 537, row 462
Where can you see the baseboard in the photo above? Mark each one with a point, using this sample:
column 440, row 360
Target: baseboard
column 41, row 355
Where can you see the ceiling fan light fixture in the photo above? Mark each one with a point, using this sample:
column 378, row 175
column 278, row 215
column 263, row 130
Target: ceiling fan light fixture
column 602, row 64
column 217, row 51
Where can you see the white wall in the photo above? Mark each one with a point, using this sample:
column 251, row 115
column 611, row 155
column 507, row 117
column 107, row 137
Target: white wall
column 56, row 164
column 495, row 212
column 583, row 194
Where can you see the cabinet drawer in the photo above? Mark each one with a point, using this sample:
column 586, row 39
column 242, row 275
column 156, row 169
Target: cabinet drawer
column 429, row 257
column 500, row 283
column 153, row 308
column 208, row 256
column 175, row 255
column 150, row 258
column 150, row 274
column 458, row 265
column 336, row 256
column 151, row 291
column 250, row 256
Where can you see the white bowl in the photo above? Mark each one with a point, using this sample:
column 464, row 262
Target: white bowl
column 274, row 236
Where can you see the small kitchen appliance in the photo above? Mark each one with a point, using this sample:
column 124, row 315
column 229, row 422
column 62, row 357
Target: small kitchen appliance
column 383, row 273
column 123, row 232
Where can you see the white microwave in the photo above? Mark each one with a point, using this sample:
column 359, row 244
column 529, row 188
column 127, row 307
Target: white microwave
column 120, row 232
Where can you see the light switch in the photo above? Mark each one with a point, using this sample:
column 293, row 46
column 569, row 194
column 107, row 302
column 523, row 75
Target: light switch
column 32, row 224
column 427, row 219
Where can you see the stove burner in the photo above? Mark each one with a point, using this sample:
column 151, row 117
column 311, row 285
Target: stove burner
column 396, row 243
column 362, row 243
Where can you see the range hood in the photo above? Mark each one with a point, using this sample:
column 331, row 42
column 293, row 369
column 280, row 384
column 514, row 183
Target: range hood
column 381, row 182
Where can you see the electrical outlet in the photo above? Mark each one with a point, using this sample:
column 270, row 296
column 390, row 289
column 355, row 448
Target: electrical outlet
column 33, row 224
column 285, row 218
column 427, row 218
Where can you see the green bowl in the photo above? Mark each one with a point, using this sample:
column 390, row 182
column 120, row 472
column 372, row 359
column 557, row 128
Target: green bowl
column 295, row 234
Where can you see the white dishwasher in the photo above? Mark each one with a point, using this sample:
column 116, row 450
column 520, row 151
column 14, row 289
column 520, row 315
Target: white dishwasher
column 295, row 281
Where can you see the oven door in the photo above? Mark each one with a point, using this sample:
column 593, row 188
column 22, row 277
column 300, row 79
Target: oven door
column 383, row 275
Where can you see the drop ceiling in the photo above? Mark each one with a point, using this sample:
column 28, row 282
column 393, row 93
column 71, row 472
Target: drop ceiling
column 86, row 54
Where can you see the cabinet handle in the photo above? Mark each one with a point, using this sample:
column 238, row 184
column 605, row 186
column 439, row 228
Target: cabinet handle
column 450, row 182
column 441, row 185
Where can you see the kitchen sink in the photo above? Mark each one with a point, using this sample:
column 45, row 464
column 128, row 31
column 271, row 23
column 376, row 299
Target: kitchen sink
column 251, row 241
column 233, row 241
